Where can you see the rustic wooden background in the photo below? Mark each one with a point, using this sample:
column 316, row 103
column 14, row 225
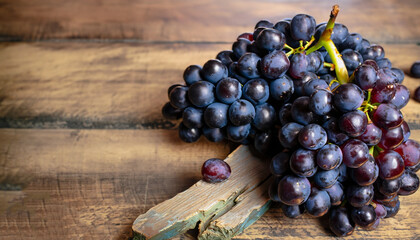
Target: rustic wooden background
column 83, row 147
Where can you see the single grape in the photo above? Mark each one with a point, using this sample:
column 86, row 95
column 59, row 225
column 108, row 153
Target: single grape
column 399, row 74
column 264, row 142
column 364, row 216
column 335, row 135
column 410, row 153
column 214, row 134
column 299, row 64
column 281, row 89
column 353, row 41
column 288, row 134
column 170, row 112
column 294, row 190
column 374, row 52
column 216, row 115
column 336, row 193
column 326, row 178
column 226, row 57
column 299, row 84
column 279, row 164
column 265, row 117
column 372, row 135
column 188, row 135
column 285, row 114
column 321, row 102
column 387, row 116
column 270, row 39
column 215, row 170
column 401, row 96
column 248, row 65
column 348, row 97
column 340, row 223
column 313, row 85
column 409, row 183
column 366, row 174
column 385, row 77
column 274, row 65
column 365, row 76
column 342, row 176
column 201, row 93
column 359, row 196
column 192, row 74
column 238, row 133
column 415, row 69
column 228, row 90
column 353, row 123
column 338, row 35
column 245, row 35
column 316, row 61
column 355, row 153
column 364, row 45
column 329, row 157
column 302, row 162
column 301, row 112
column 302, row 27
column 292, row 211
column 391, row 164
column 264, row 24
column 352, row 59
column 256, row 91
column 240, row 47
column 192, row 117
column 312, row 137
column 392, row 211
column 383, row 93
column 384, row 63
column 178, row 97
column 214, row 70
column 241, row 112
column 283, row 26
column 391, row 138
column 388, row 187
column 318, row 202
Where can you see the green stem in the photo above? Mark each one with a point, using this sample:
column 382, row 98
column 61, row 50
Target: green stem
column 329, row 65
column 371, row 150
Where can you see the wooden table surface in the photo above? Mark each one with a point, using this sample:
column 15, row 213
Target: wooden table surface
column 84, row 148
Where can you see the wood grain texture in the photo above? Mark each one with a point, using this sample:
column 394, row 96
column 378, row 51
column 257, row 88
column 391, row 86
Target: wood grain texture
column 164, row 20
column 92, row 85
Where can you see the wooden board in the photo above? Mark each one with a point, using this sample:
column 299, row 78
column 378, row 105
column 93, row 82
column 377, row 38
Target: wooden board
column 195, row 21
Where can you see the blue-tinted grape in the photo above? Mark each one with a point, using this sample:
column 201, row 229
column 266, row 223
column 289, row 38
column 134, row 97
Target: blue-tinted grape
column 342, row 176
column 374, row 52
column 366, row 174
column 302, row 27
column 192, row 74
column 241, row 112
column 300, row 83
column 352, row 59
column 388, row 187
column 348, row 97
column 392, row 211
column 192, row 117
column 326, row 178
column 228, row 90
column 353, row 123
column 240, row 47
column 352, row 41
column 359, row 196
column 201, row 93
column 302, row 162
column 281, row 89
column 294, row 190
column 214, row 70
column 299, row 64
column 340, row 223
column 335, row 135
column 401, row 97
column 214, row 134
column 279, row 164
column 321, row 102
column 364, row 45
column 316, row 61
column 384, row 63
column 274, row 64
column 313, row 85
column 178, row 97
column 283, row 26
column 238, row 133
column 285, row 114
column 364, row 216
column 256, row 91
column 409, row 183
column 355, row 153
column 365, row 76
column 265, row 142
column 270, row 39
column 188, row 135
column 265, row 116
column 248, row 65
column 336, row 193
column 216, row 115
column 226, row 57
column 301, row 111
column 234, row 73
column 264, row 24
column 406, row 131
column 329, row 157
column 385, row 77
column 372, row 135
column 292, row 211
column 170, row 112
column 339, row 33
column 312, row 137
column 318, row 202
column 399, row 74
column 288, row 134
column 415, row 69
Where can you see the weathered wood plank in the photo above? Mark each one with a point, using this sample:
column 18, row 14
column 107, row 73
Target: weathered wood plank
column 165, row 20
column 92, row 184
column 92, row 85
column 203, row 201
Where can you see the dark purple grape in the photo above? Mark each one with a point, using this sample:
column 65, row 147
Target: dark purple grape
column 299, row 64
column 241, row 112
column 392, row 211
column 391, row 138
column 318, row 202
column 415, row 69
column 348, row 97
column 214, row 70
column 248, row 65
column 170, row 112
column 365, row 76
column 374, row 52
column 409, row 183
column 256, row 91
column 406, row 131
column 270, row 39
column 188, row 135
column 302, row 27
column 336, row 193
column 316, row 61
column 366, row 174
column 302, row 162
column 359, row 196
column 226, row 57
column 338, row 35
column 234, row 73
column 192, row 74
column 380, row 210
column 274, row 65
column 279, row 164
column 352, row 59
column 288, row 135
column 353, row 123
column 253, row 48
column 292, row 211
column 384, row 63
column 364, row 216
column 372, row 63
column 215, row 170
column 285, row 113
column 353, row 41
column 264, row 24
column 294, row 190
column 178, row 97
column 385, row 77
column 281, row 89
column 329, row 157
column 201, row 93
column 399, row 74
column 410, row 152
column 228, row 90
column 265, row 117
column 355, row 153
column 240, row 47
column 283, row 26
column 326, row 178
column 172, row 87
column 401, row 96
column 372, row 135
column 299, row 84
column 364, row 45
column 301, row 112
column 340, row 223
column 387, row 116
column 192, row 117
column 388, row 187
column 321, row 102
column 216, row 115
column 311, row 86
column 391, row 164
column 238, row 133
column 342, row 176
column 265, row 143
column 214, row 134
column 333, row 132
column 312, row 137
column 383, row 94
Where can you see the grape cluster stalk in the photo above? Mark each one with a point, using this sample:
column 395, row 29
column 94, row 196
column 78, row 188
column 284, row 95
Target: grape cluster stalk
column 323, row 104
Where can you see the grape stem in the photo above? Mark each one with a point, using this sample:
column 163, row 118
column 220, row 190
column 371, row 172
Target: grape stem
column 326, row 42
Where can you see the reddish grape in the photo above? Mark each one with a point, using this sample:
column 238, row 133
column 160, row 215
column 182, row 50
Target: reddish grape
column 410, row 152
column 215, row 170
column 353, row 123
column 355, row 153
column 391, row 164
column 372, row 135
column 387, row 116
column 365, row 174
column 391, row 138
column 294, row 190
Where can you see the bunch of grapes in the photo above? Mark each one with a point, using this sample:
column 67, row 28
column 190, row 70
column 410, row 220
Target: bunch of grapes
column 323, row 103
